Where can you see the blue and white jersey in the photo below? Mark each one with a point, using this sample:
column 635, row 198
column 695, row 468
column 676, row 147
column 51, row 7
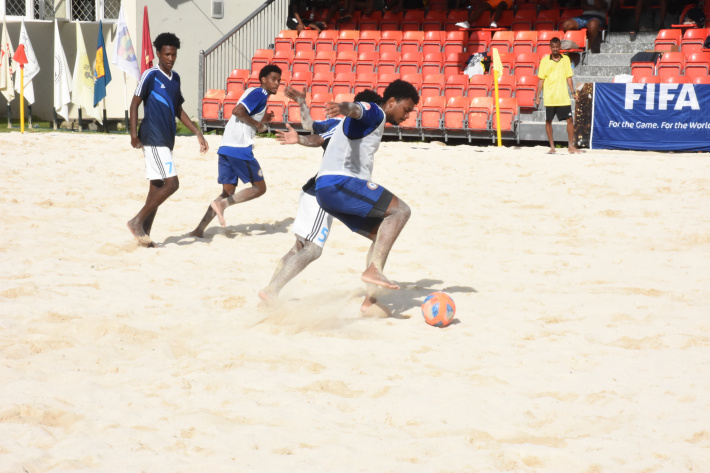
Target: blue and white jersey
column 326, row 128
column 162, row 99
column 238, row 134
column 352, row 148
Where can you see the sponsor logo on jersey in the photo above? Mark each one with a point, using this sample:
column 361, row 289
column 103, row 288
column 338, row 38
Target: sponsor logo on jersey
column 365, row 105
column 260, row 173
column 372, row 186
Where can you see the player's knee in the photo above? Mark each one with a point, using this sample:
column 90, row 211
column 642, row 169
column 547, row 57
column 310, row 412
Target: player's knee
column 260, row 188
column 172, row 184
column 404, row 210
column 312, row 250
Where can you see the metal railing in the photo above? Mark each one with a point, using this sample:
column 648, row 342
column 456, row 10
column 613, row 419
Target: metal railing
column 235, row 49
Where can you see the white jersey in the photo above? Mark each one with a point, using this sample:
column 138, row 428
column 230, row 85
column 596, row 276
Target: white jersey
column 351, row 150
column 241, row 135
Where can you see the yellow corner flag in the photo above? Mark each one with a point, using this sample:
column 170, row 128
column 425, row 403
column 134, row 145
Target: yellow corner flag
column 497, row 73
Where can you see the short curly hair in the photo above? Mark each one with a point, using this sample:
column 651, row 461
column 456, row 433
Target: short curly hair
column 401, row 90
column 166, row 39
column 266, row 70
column 368, row 95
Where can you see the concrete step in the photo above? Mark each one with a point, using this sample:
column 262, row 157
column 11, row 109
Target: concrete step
column 623, row 38
column 608, row 59
column 582, row 79
column 602, row 70
column 627, row 47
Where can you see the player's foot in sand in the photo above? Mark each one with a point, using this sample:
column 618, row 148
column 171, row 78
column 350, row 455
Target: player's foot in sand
column 374, row 276
column 573, row 150
column 138, row 233
column 367, row 303
column 218, row 205
column 552, row 151
column 269, row 297
column 197, row 233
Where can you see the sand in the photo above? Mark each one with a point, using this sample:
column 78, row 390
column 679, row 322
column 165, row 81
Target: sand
column 581, row 341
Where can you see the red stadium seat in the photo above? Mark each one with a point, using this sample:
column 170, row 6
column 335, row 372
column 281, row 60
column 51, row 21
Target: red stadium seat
column 322, row 83
column 526, row 64
column 507, row 61
column 676, row 80
column 509, row 114
column 455, row 113
column 237, row 80
column 261, row 58
column 303, row 61
column 547, row 20
column 410, row 63
column 502, row 41
column 454, row 64
column 432, row 42
column 302, row 80
column 671, row 64
column 455, row 16
column 317, row 108
column 283, row 59
column 434, row 21
column 701, row 80
column 543, row 41
column 391, row 21
column 347, row 40
column 383, row 80
column 230, row 101
column 351, row 24
column 370, row 21
column 526, row 90
column 390, row 41
column 648, row 80
column 411, row 42
column 456, row 86
column 285, row 40
column 431, row 112
column 414, row 78
column 567, row 14
column 294, row 110
column 525, row 42
column 523, row 20
column 576, row 36
column 484, row 21
column 306, row 40
column 326, row 41
column 432, row 64
column 480, row 86
column 454, row 42
column 364, row 81
column 506, row 20
column 343, row 83
column 278, row 104
column 344, row 98
column 479, row 113
column 642, row 69
column 478, row 41
column 697, row 64
column 412, row 20
column 212, row 104
column 368, row 41
column 506, row 86
column 666, row 39
column 345, row 62
column 433, row 85
column 388, row 63
column 324, row 61
column 693, row 40
column 254, row 80
column 366, row 62
column 412, row 119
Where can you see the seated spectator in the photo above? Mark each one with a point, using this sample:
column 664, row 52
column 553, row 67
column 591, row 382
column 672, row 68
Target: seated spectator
column 365, row 6
column 301, row 15
column 593, row 18
column 480, row 6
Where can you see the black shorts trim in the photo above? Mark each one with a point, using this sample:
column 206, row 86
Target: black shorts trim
column 562, row 112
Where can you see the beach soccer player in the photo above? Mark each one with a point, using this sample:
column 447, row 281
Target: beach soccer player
column 312, row 224
column 344, row 188
column 236, row 159
column 159, row 90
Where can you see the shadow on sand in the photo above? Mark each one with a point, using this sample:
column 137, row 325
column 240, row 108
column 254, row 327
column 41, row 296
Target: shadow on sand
column 233, row 231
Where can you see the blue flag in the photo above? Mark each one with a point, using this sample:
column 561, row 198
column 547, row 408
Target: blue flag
column 102, row 73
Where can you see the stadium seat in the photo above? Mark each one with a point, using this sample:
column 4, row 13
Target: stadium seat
column 364, row 82
column 478, row 41
column 283, row 59
column 383, row 80
column 347, row 40
column 479, row 113
column 543, row 41
column 322, row 83
column 507, row 61
column 294, row 110
column 506, row 86
column 254, row 80
column 647, row 79
column 212, row 104
column 432, row 42
column 526, row 90
column 693, row 40
column 701, row 80
column 412, row 21
column 368, row 41
column 506, row 20
column 324, row 61
column 317, row 108
column 230, row 101
column 676, row 80
column 547, row 20
column 433, row 85
column 576, row 36
column 411, row 42
column 302, row 80
column 412, row 119
column 454, row 42
column 261, row 58
column 388, row 63
column 509, row 114
column 434, row 21
column 568, row 13
column 237, row 80
column 345, row 62
column 306, row 40
column 642, row 69
column 390, row 41
column 526, row 64
column 432, row 64
column 343, row 83
column 277, row 103
column 413, row 78
column 455, row 16
column 351, row 24
column 303, row 61
column 523, row 20
column 366, row 62
column 326, row 41
column 454, row 64
column 697, row 64
column 455, row 113
column 671, row 64
column 456, row 86
column 344, row 98
column 410, row 63
column 431, row 112
column 525, row 42
column 285, row 40
column 285, row 80
column 666, row 39
column 502, row 41
column 480, row 86
column 391, row 21
column 484, row 21
column 370, row 21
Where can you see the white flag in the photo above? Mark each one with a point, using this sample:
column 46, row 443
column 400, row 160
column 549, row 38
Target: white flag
column 62, row 77
column 124, row 56
column 83, row 83
column 31, row 68
column 6, row 65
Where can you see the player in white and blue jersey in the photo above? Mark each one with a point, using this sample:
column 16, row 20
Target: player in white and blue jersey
column 344, row 187
column 236, row 159
column 159, row 91
column 312, row 224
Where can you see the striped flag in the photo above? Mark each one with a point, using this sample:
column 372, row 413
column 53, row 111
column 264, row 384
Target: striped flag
column 102, row 72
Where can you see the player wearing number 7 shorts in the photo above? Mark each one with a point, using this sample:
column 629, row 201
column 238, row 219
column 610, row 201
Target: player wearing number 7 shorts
column 312, row 224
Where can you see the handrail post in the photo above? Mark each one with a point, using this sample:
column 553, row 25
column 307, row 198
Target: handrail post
column 200, row 88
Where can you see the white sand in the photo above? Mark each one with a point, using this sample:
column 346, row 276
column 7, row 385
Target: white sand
column 581, row 285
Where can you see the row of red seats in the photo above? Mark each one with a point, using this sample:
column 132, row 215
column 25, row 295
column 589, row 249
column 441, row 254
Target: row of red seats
column 690, row 41
column 693, row 65
column 526, row 18
column 672, row 80
column 422, row 42
column 390, row 62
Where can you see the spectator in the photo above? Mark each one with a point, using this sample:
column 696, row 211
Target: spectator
column 593, row 18
column 301, row 15
column 481, row 6
column 555, row 76
column 366, row 6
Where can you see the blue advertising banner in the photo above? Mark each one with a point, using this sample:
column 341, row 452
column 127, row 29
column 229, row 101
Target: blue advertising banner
column 666, row 117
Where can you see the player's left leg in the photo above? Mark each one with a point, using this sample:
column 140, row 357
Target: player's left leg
column 219, row 205
column 247, row 169
column 227, row 190
column 158, row 192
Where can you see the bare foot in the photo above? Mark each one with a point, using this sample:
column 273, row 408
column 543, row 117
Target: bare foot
column 367, row 303
column 573, row 150
column 218, row 206
column 269, row 297
column 138, row 233
column 197, row 233
column 374, row 276
column 552, row 151
column 376, row 310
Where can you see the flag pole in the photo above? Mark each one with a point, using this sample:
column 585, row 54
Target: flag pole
column 22, row 98
column 125, row 102
column 105, row 120
column 495, row 84
column 9, row 115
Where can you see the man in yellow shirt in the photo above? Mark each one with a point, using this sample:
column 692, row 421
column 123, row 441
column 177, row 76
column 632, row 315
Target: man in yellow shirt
column 555, row 74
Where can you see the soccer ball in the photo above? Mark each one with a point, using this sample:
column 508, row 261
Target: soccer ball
column 438, row 309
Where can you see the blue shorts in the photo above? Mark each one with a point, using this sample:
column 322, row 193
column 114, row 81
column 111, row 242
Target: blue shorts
column 245, row 167
column 583, row 20
column 359, row 204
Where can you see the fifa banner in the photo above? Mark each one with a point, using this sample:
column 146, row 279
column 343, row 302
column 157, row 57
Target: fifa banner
column 665, row 117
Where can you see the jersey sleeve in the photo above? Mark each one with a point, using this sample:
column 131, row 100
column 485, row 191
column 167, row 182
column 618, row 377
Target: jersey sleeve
column 145, row 85
column 325, row 127
column 254, row 100
column 542, row 72
column 372, row 116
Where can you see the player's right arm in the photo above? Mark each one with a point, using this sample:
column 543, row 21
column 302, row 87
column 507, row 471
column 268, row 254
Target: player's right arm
column 291, row 137
column 348, row 109
column 240, row 111
column 300, row 98
column 135, row 141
